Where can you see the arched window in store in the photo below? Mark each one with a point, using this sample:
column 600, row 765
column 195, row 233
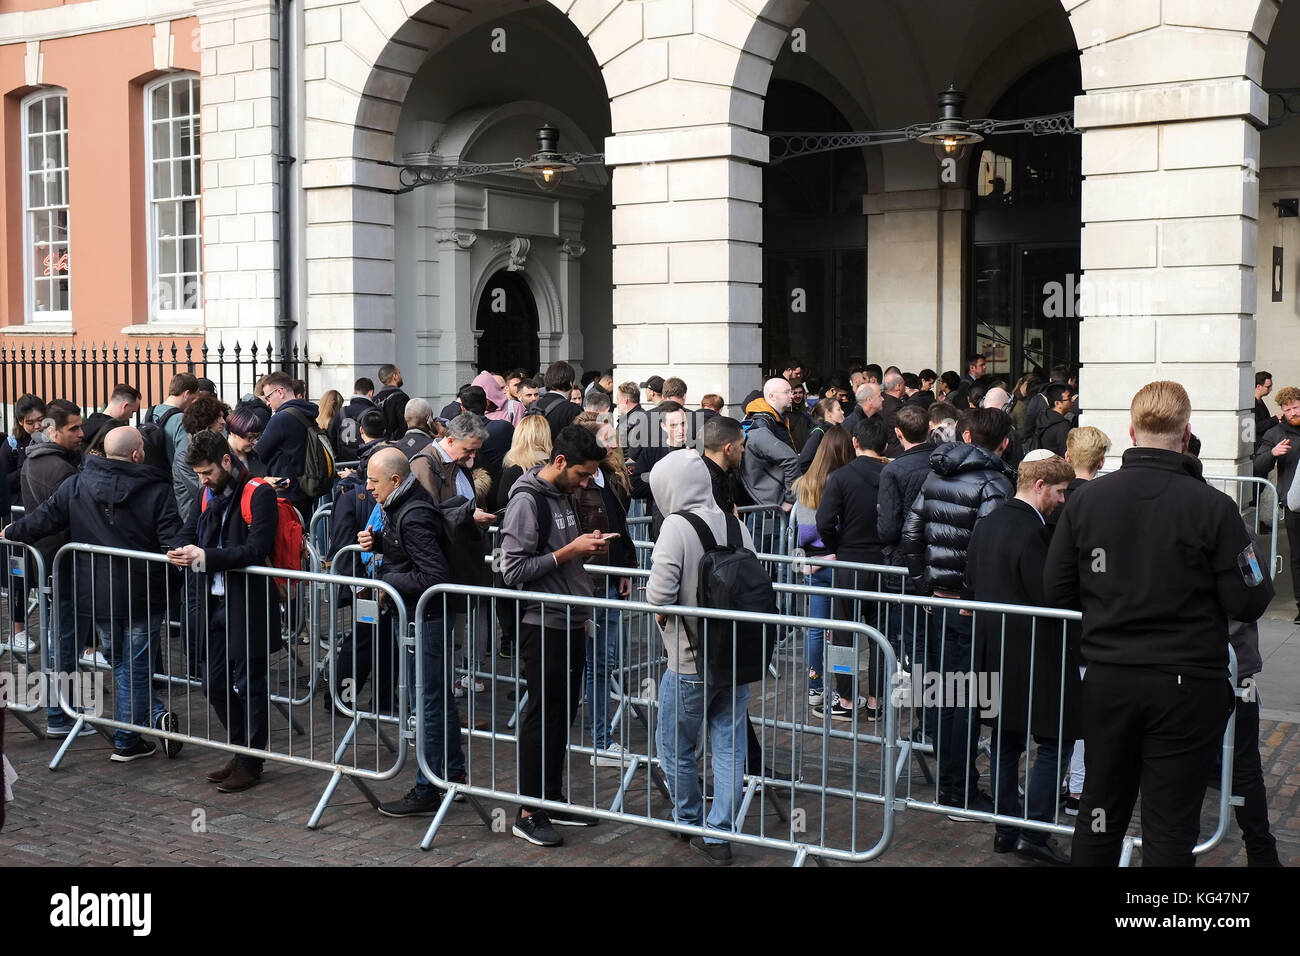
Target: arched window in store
column 814, row 242
column 1024, row 232
column 175, row 244
column 47, row 261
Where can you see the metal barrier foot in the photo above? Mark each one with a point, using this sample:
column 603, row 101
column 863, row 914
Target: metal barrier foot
column 63, row 749
column 316, row 814
column 1126, row 855
column 617, row 805
column 293, row 721
column 443, row 809
column 27, row 722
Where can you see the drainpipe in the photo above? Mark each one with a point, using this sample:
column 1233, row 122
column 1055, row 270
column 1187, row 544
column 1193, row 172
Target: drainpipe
column 286, row 160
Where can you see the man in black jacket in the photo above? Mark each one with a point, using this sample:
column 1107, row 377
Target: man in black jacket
column 1158, row 561
column 1053, row 427
column 968, row 483
column 242, row 609
column 52, row 458
column 361, row 402
column 283, row 445
column 118, row 501
column 722, row 444
column 1280, row 446
column 391, row 400
column 670, row 419
column 555, row 404
column 1028, row 667
column 847, row 525
column 901, row 479
column 412, row 562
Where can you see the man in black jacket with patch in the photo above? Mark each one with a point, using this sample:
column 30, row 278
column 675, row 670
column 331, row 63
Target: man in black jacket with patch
column 242, row 610
column 118, row 501
column 968, row 483
column 411, row 561
column 1028, row 667
column 1159, row 562
column 1280, row 446
column 361, row 402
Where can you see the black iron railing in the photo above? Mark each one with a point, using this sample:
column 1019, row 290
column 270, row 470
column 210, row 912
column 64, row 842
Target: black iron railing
column 86, row 374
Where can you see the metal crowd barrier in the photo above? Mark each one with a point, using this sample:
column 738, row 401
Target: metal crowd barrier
column 768, row 526
column 25, row 682
column 854, row 773
column 914, row 626
column 263, row 672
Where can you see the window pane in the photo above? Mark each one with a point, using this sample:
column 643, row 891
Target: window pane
column 35, row 190
column 189, row 255
column 167, row 257
column 161, row 104
column 36, row 117
column 165, row 290
column 190, row 217
column 185, row 184
column 161, row 141
column 194, row 96
column 41, row 296
column 56, row 150
column 193, row 294
column 59, row 297
column 162, row 180
column 179, row 146
column 181, row 98
column 166, row 218
column 59, row 225
column 35, row 153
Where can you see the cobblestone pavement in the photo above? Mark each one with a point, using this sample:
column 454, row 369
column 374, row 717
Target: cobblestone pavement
column 92, row 812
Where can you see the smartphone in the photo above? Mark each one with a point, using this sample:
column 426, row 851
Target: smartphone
column 282, row 483
column 609, row 537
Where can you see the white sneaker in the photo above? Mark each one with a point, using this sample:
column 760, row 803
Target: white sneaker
column 91, row 657
column 613, row 756
column 19, row 642
column 463, row 683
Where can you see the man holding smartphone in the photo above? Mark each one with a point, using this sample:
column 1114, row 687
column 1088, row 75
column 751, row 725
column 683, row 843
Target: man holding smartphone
column 543, row 550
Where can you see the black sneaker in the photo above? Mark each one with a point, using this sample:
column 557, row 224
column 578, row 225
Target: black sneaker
column 718, row 854
column 1296, row 619
column 141, row 748
column 168, row 722
column 567, row 818
column 416, row 803
column 537, row 829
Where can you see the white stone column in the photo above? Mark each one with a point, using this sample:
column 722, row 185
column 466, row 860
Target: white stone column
column 457, row 345
column 1170, row 202
column 239, row 93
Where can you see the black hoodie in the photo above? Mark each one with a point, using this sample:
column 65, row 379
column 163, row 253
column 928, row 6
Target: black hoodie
column 121, row 505
column 46, row 467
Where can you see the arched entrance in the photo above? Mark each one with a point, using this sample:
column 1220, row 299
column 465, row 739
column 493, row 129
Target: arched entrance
column 1024, row 233
column 505, row 326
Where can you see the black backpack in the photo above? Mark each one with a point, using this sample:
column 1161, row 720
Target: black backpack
column 155, row 439
column 318, row 474
column 352, row 506
column 731, row 578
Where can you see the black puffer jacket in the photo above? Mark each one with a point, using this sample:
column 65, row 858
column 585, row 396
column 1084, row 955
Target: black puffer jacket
column 413, row 559
column 968, row 483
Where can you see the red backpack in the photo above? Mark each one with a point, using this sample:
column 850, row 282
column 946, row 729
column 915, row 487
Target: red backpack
column 287, row 550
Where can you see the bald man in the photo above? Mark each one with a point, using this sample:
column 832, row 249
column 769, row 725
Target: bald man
column 117, row 502
column 412, row 563
column 1000, row 398
column 770, row 465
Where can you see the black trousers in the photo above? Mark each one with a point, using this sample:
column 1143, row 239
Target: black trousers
column 1248, row 783
column 552, row 662
column 860, row 612
column 236, row 684
column 359, row 656
column 1293, row 539
column 1145, row 730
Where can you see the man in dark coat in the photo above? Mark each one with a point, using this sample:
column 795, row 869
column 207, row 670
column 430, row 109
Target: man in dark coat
column 283, row 445
column 1028, row 684
column 391, row 400
column 1279, row 446
column 119, row 502
column 1054, row 427
column 243, row 610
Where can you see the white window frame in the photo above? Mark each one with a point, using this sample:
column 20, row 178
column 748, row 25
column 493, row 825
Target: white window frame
column 33, row 317
column 174, row 316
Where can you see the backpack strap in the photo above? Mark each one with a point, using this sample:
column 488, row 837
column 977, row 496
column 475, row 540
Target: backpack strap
column 246, row 499
column 302, row 416
column 707, row 540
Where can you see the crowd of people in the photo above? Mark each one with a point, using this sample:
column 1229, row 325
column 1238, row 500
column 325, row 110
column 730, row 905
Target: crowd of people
column 961, row 480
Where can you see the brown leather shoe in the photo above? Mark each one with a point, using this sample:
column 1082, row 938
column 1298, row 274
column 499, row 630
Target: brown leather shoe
column 241, row 778
column 221, row 774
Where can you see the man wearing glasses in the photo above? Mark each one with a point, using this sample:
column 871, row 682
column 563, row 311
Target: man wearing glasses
column 283, row 445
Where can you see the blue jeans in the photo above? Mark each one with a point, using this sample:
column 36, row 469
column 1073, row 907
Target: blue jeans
column 442, row 749
column 682, row 710
column 61, row 653
column 958, row 738
column 604, row 649
column 1041, row 787
column 130, row 646
column 819, row 605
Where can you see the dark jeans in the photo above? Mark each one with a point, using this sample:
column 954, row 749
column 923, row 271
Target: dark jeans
column 236, row 684
column 1248, row 783
column 958, row 740
column 1293, row 539
column 1154, row 732
column 860, row 612
column 442, row 749
column 552, row 662
column 1041, row 788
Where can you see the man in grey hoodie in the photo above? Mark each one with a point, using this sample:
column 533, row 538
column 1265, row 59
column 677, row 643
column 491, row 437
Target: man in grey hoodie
column 680, row 482
column 552, row 637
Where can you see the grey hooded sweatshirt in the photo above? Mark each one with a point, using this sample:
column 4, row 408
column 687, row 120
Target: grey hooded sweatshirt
column 532, row 566
column 681, row 482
